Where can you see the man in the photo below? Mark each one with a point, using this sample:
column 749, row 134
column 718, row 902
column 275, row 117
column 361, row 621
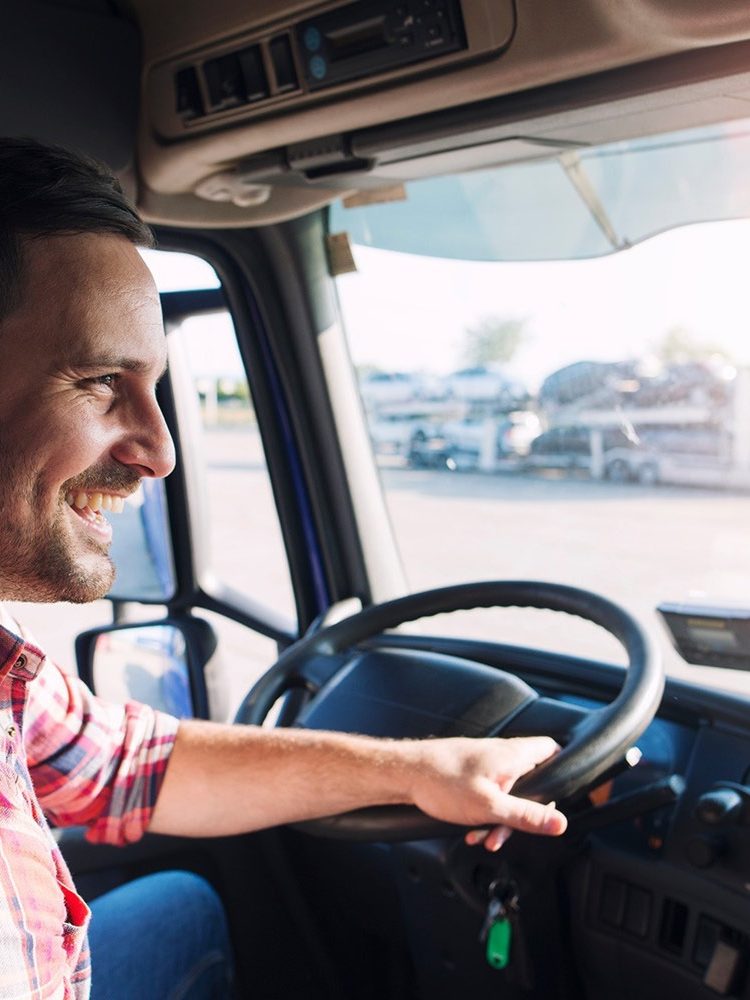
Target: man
column 82, row 351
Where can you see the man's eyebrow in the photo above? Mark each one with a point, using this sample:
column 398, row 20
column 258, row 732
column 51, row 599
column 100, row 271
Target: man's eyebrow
column 115, row 363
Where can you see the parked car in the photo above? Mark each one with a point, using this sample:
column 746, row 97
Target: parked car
column 676, row 453
column 571, row 447
column 593, row 383
column 387, row 388
column 517, row 433
column 415, row 436
column 484, row 384
column 625, row 465
column 693, row 383
column 691, row 439
column 509, row 435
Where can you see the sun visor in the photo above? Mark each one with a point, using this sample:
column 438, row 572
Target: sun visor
column 576, row 203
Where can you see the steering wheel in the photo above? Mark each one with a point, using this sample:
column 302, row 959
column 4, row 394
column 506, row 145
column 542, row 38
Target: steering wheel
column 595, row 742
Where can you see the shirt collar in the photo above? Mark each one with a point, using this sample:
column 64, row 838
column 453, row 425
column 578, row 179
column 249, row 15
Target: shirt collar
column 18, row 659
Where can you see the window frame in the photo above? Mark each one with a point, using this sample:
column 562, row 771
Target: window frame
column 270, row 281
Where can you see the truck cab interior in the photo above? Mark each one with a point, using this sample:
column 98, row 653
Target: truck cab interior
column 347, row 187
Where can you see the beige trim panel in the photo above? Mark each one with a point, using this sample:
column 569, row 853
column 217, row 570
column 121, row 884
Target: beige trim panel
column 554, row 42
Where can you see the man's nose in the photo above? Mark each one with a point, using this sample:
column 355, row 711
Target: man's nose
column 146, row 443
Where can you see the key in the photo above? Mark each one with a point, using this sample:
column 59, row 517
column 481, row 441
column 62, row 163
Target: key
column 497, row 931
column 495, row 912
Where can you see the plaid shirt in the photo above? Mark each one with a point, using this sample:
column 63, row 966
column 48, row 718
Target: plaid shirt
column 67, row 756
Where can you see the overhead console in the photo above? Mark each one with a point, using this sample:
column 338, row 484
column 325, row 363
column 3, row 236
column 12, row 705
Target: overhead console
column 341, row 48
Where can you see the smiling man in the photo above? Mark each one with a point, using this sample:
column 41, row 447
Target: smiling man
column 82, row 353
column 82, row 349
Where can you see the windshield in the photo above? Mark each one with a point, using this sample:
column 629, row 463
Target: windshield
column 583, row 421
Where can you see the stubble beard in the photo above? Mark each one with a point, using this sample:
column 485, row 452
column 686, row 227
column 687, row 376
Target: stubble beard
column 47, row 563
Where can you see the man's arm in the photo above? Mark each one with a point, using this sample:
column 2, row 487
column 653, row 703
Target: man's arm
column 231, row 779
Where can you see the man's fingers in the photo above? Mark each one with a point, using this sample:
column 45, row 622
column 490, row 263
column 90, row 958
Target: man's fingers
column 474, row 837
column 519, row 814
column 531, row 817
column 496, row 838
column 492, row 839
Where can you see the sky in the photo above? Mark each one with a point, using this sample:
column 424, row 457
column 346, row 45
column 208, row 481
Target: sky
column 410, row 313
column 407, row 313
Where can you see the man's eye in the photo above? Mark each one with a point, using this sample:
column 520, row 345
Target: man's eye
column 105, row 380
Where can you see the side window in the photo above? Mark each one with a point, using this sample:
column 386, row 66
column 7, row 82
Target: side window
column 242, row 541
column 235, row 526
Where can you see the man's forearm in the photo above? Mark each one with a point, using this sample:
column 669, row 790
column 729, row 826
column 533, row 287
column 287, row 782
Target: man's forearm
column 233, row 779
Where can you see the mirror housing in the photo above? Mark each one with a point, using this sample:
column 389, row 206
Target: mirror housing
column 160, row 663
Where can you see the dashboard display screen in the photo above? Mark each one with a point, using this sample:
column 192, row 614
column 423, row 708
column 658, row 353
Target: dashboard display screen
column 712, row 636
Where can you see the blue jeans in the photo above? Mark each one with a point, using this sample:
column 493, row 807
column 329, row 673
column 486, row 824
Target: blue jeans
column 162, row 937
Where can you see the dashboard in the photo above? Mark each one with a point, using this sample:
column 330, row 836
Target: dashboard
column 667, row 892
column 652, row 879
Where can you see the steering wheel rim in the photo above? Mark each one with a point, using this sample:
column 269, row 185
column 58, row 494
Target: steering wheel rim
column 596, row 744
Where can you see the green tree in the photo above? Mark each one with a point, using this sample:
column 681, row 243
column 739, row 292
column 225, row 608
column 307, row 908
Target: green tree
column 679, row 345
column 493, row 339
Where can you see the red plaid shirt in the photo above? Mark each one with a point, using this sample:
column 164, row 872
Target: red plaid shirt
column 67, row 756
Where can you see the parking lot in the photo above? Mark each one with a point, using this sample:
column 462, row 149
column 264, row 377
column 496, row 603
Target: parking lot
column 637, row 545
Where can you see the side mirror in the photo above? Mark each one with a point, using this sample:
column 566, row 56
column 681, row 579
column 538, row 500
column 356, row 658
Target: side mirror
column 159, row 663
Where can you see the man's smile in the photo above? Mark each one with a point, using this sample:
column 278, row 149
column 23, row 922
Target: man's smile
column 88, row 507
column 95, row 501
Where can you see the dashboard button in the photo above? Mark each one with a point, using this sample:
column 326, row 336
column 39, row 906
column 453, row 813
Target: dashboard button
column 612, row 901
column 706, row 936
column 637, row 911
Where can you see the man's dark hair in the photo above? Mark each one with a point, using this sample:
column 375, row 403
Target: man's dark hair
column 51, row 191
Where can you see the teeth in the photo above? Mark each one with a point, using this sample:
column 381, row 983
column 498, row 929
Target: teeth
column 96, row 502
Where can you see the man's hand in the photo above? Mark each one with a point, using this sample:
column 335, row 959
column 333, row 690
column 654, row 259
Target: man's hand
column 467, row 781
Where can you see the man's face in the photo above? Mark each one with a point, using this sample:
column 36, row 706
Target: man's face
column 79, row 362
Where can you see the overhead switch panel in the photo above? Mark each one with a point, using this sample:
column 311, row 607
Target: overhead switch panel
column 346, row 47
column 367, row 38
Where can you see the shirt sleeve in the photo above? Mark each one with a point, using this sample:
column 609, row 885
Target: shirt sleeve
column 92, row 763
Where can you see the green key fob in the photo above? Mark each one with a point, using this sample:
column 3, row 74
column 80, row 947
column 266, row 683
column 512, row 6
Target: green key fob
column 498, row 943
